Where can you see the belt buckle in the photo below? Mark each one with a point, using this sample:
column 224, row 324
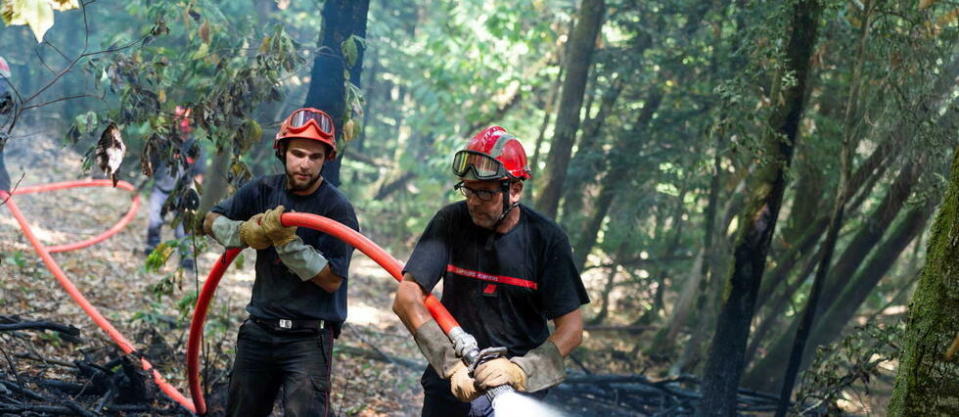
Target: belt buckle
column 286, row 324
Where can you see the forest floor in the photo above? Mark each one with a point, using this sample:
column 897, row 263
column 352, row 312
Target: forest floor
column 112, row 276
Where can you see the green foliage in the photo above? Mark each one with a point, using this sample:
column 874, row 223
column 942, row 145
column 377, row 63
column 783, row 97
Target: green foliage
column 196, row 57
column 858, row 360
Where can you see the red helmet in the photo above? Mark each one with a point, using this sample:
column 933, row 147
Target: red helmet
column 492, row 154
column 307, row 123
column 182, row 116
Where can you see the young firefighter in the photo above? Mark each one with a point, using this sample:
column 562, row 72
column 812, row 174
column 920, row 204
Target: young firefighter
column 299, row 295
column 506, row 271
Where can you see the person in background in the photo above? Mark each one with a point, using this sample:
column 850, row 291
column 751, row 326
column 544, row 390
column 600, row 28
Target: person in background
column 299, row 294
column 175, row 175
column 506, row 270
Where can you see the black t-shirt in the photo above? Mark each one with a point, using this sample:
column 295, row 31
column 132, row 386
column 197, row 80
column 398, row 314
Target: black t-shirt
column 503, row 295
column 278, row 293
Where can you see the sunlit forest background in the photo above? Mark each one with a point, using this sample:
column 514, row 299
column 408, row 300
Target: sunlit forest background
column 720, row 167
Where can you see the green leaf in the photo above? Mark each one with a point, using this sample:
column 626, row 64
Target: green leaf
column 201, row 52
column 351, row 49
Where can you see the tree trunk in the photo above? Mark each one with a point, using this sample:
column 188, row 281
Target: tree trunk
column 928, row 384
column 590, row 20
column 341, row 19
column 850, row 140
column 758, row 222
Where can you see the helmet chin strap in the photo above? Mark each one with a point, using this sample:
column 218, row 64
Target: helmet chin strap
column 507, row 207
column 504, row 188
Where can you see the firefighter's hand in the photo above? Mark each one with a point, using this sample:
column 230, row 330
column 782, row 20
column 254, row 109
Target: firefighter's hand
column 462, row 385
column 279, row 234
column 253, row 235
column 500, row 371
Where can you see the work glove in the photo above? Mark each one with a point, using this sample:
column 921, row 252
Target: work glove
column 240, row 233
column 462, row 385
column 542, row 366
column 500, row 371
column 252, row 234
column 437, row 348
column 273, row 228
column 304, row 260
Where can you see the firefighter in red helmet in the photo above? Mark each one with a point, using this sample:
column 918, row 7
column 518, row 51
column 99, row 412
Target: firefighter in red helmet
column 299, row 295
column 173, row 182
column 506, row 269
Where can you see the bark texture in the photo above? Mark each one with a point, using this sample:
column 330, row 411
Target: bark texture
column 589, row 21
column 341, row 19
column 927, row 384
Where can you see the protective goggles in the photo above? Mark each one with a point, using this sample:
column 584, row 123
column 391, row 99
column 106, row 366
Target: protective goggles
column 484, row 167
column 298, row 121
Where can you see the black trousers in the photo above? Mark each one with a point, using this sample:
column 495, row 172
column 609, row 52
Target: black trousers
column 438, row 399
column 298, row 361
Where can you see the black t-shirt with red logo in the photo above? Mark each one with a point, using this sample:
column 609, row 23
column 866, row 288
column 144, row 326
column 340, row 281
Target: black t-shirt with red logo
column 502, row 292
column 277, row 292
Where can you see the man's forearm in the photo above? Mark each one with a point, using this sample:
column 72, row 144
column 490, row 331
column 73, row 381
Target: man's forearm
column 569, row 332
column 208, row 223
column 408, row 304
column 327, row 280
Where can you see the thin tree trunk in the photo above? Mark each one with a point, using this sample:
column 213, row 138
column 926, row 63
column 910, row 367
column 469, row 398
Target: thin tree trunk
column 758, row 222
column 928, row 383
column 849, row 142
column 665, row 337
column 589, row 22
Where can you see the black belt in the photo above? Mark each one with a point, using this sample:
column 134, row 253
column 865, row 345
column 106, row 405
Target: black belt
column 290, row 325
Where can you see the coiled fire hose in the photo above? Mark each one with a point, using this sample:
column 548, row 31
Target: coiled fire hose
column 68, row 285
column 464, row 343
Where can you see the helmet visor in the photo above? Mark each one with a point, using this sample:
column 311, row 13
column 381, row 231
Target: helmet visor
column 484, row 167
column 301, row 118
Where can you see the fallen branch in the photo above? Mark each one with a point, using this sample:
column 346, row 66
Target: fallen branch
column 380, row 356
column 41, row 325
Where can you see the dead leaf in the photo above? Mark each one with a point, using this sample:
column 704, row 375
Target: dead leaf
column 952, row 348
column 146, row 157
column 205, row 32
column 110, row 150
column 924, row 4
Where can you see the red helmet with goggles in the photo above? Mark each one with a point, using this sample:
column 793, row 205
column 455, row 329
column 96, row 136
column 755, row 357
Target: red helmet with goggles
column 491, row 155
column 307, row 123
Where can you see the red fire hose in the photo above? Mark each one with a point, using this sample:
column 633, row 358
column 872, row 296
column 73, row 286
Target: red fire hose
column 71, row 289
column 325, row 225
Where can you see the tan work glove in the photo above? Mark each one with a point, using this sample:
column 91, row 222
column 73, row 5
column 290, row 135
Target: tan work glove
column 273, row 228
column 462, row 385
column 500, row 371
column 252, row 234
